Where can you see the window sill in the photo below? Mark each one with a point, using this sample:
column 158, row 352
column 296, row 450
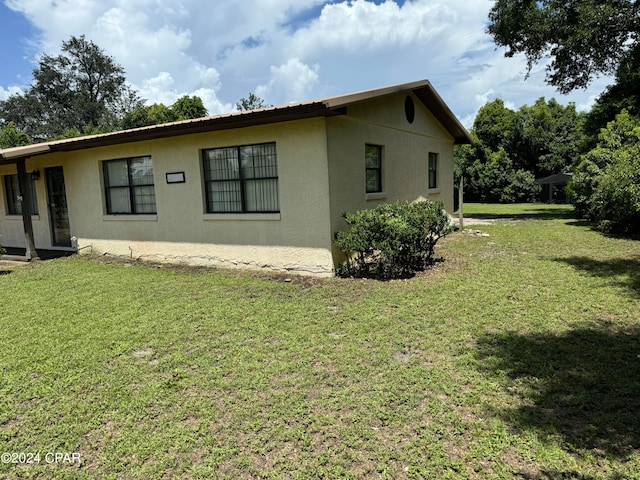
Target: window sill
column 19, row 217
column 376, row 196
column 433, row 191
column 241, row 216
column 130, row 218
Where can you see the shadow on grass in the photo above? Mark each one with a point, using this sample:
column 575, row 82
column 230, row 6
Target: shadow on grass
column 579, row 390
column 624, row 272
column 533, row 213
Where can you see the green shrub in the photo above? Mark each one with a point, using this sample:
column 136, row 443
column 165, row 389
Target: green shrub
column 606, row 183
column 616, row 200
column 581, row 187
column 392, row 240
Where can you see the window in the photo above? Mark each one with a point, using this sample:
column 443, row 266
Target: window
column 241, row 179
column 128, row 185
column 14, row 199
column 373, row 160
column 433, row 170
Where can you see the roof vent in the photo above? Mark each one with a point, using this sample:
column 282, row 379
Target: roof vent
column 409, row 109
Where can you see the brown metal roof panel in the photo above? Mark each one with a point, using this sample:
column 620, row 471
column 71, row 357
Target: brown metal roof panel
column 199, row 125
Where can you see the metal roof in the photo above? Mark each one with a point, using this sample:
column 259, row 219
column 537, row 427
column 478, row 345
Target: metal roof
column 556, row 178
column 295, row 111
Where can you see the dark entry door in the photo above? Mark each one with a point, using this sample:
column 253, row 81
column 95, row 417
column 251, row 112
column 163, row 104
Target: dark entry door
column 58, row 213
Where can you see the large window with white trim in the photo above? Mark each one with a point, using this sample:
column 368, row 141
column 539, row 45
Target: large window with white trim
column 129, row 187
column 242, row 179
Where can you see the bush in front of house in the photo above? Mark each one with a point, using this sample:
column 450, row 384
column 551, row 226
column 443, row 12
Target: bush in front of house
column 392, row 240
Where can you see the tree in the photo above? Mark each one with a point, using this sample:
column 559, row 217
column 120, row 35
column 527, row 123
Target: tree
column 551, row 139
column 184, row 108
column 624, row 94
column 146, row 115
column 606, row 184
column 583, row 38
column 497, row 126
column 543, row 138
column 492, row 177
column 252, row 103
column 78, row 89
column 10, row 136
column 187, row 107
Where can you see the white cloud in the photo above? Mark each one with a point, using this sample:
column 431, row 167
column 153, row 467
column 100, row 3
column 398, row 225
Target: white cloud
column 6, row 93
column 289, row 82
column 293, row 50
column 364, row 26
column 162, row 89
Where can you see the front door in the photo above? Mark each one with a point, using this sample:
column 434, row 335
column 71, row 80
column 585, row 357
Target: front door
column 58, row 213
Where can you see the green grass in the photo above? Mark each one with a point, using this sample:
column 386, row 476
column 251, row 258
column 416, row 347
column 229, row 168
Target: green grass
column 516, row 357
column 518, row 210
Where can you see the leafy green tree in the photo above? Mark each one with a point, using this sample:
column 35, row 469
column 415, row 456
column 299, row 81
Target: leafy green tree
column 184, row 108
column 551, row 139
column 10, row 136
column 146, row 115
column 252, row 103
column 583, row 38
column 497, row 126
column 80, row 88
column 514, row 147
column 624, row 94
column 187, row 107
column 606, row 185
column 492, row 177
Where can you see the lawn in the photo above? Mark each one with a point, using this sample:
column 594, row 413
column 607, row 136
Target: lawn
column 518, row 356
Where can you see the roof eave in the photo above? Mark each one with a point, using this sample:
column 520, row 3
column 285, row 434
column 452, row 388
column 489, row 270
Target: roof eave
column 206, row 124
column 12, row 155
column 427, row 95
column 199, row 125
column 436, row 105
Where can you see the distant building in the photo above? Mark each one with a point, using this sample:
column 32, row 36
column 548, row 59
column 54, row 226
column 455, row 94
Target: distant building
column 554, row 187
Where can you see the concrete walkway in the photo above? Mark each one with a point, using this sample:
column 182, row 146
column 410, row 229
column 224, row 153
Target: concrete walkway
column 472, row 221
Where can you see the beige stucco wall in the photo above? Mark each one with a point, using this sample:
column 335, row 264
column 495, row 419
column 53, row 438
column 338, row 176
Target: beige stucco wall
column 297, row 239
column 405, row 156
column 321, row 170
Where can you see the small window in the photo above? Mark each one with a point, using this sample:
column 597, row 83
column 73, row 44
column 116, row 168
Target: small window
column 373, row 160
column 241, row 179
column 128, row 185
column 433, row 170
column 14, row 199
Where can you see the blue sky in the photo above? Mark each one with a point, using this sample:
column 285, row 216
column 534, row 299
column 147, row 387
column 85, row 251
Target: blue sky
column 14, row 47
column 283, row 50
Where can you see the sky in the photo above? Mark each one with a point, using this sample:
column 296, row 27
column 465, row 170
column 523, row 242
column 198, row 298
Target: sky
column 282, row 50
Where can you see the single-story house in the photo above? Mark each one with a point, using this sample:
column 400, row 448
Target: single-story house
column 264, row 188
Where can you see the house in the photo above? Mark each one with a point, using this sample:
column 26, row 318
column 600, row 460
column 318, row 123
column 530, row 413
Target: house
column 265, row 188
